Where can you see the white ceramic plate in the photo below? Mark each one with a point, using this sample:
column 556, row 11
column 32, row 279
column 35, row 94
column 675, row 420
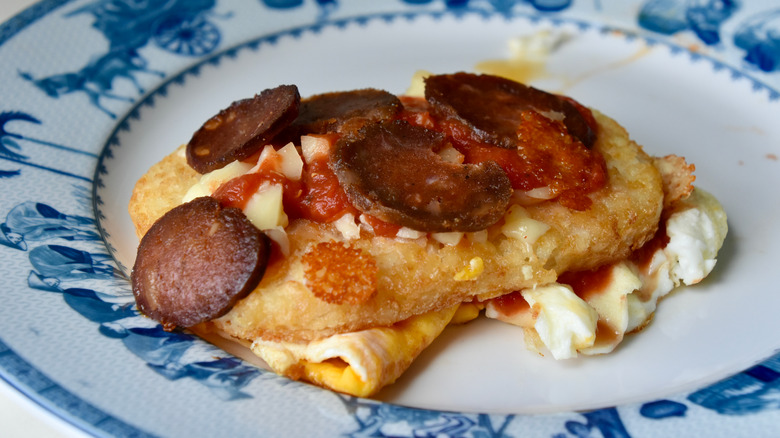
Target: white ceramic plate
column 71, row 340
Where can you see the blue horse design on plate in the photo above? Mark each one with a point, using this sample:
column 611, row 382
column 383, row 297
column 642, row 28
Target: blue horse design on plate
column 180, row 27
column 96, row 79
column 177, row 26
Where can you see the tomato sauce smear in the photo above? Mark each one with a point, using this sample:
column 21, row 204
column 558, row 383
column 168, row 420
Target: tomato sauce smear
column 547, row 154
column 317, row 196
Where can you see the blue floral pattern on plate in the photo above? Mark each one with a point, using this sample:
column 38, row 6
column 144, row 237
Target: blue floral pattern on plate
column 54, row 246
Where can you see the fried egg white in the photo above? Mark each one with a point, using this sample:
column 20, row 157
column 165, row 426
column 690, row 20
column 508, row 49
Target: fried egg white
column 563, row 323
column 358, row 363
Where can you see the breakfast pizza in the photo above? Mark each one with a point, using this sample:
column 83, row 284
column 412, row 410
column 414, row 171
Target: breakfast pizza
column 337, row 235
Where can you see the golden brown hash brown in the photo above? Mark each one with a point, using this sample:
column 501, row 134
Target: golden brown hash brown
column 418, row 276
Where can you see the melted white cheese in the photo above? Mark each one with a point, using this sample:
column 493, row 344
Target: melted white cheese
column 210, row 182
column 518, row 225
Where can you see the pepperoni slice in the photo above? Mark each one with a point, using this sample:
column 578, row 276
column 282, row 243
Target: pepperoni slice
column 241, row 129
column 345, row 111
column 391, row 171
column 196, row 262
column 492, row 107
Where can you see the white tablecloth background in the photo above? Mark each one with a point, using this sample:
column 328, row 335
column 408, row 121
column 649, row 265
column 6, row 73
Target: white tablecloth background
column 19, row 416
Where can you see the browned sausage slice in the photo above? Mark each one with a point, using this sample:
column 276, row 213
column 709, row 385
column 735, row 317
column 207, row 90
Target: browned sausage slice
column 492, row 106
column 345, row 110
column 196, row 262
column 241, row 129
column 391, row 171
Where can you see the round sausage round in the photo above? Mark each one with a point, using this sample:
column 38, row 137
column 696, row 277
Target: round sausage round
column 196, row 262
column 391, row 171
column 492, row 106
column 241, row 129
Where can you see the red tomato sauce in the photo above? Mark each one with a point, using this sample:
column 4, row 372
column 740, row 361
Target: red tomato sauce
column 547, row 156
column 238, row 191
column 416, row 112
column 382, row 228
column 317, row 196
column 644, row 255
column 511, row 303
column 588, row 283
column 324, row 199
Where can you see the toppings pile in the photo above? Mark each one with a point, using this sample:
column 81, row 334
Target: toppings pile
column 449, row 162
column 454, row 160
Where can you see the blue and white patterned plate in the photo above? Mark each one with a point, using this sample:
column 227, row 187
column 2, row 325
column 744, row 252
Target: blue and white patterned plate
column 95, row 91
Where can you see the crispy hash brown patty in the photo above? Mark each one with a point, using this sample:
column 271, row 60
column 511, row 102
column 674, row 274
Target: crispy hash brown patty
column 413, row 277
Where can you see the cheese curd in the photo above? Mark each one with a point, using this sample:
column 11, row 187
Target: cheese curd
column 210, row 182
column 564, row 322
column 264, row 208
column 518, row 225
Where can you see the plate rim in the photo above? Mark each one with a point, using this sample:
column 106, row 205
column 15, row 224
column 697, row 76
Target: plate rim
column 39, row 10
